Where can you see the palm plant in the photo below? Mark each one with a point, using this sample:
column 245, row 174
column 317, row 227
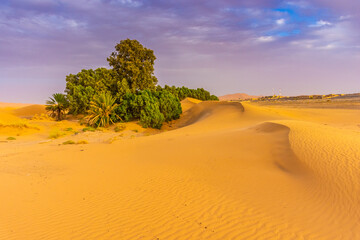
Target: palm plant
column 57, row 104
column 102, row 110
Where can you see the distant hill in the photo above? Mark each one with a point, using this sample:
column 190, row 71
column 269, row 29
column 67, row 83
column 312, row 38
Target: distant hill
column 236, row 96
column 13, row 105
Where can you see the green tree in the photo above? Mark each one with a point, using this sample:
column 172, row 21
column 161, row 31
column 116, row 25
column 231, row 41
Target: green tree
column 82, row 87
column 102, row 110
column 150, row 115
column 135, row 63
column 169, row 105
column 57, row 104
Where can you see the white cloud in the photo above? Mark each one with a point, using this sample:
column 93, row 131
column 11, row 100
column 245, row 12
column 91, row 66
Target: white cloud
column 327, row 47
column 346, row 17
column 300, row 4
column 131, row 3
column 280, row 21
column 321, row 23
column 266, row 39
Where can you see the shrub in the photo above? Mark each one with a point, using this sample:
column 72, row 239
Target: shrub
column 89, row 129
column 82, row 142
column 169, row 105
column 22, row 124
column 11, row 138
column 150, row 115
column 56, row 133
column 69, row 142
column 102, row 110
column 119, row 127
column 184, row 92
column 68, row 129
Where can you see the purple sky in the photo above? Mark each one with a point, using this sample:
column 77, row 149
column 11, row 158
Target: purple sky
column 300, row 47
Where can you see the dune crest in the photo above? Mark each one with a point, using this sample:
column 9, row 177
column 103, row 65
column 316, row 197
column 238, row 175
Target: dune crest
column 29, row 111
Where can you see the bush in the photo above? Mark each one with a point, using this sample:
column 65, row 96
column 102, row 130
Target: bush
column 102, row 110
column 69, row 142
column 184, row 92
column 82, row 142
column 11, row 138
column 56, row 133
column 150, row 115
column 119, row 127
column 169, row 105
column 89, row 129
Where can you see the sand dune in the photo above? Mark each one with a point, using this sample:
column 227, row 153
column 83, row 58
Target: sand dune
column 225, row 171
column 237, row 96
column 29, row 111
column 13, row 105
column 188, row 103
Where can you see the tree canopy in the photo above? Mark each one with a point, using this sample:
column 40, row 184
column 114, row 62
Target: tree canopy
column 127, row 91
column 134, row 63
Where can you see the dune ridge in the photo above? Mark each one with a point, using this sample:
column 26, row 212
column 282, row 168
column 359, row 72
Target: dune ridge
column 237, row 96
column 225, row 171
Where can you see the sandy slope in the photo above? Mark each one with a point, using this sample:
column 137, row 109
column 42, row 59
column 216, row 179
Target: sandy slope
column 226, row 171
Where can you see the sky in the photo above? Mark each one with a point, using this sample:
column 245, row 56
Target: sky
column 256, row 47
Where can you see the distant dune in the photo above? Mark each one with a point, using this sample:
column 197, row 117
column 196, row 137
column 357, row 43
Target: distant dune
column 237, row 96
column 29, row 111
column 13, row 105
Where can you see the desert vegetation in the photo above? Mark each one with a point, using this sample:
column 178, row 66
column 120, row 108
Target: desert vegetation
column 127, row 91
column 57, row 104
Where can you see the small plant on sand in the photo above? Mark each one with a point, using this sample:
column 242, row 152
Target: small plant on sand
column 57, row 104
column 41, row 116
column 22, row 124
column 69, row 142
column 56, row 133
column 89, row 129
column 135, row 130
column 11, row 138
column 68, row 129
column 82, row 142
column 102, row 110
column 119, row 127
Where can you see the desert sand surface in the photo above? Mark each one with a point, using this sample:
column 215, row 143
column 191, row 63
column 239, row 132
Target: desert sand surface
column 224, row 170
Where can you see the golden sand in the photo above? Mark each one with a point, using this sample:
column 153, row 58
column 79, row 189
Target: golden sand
column 225, row 171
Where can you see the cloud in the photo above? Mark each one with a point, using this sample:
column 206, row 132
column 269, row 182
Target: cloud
column 280, row 21
column 321, row 23
column 266, row 39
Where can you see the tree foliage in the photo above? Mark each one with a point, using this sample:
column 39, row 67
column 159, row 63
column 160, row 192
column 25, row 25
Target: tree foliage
column 57, row 104
column 134, row 63
column 152, row 108
column 128, row 91
column 184, row 92
column 102, row 110
column 169, row 105
column 82, row 87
